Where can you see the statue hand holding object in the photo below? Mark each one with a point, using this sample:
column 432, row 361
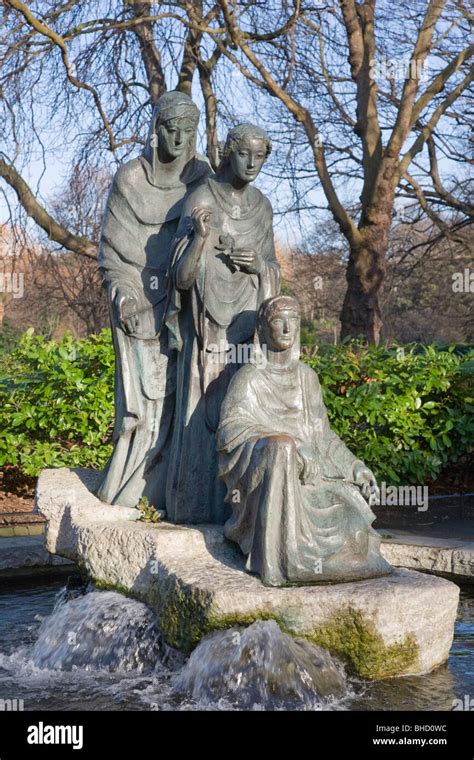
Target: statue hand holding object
column 243, row 259
column 126, row 310
column 246, row 259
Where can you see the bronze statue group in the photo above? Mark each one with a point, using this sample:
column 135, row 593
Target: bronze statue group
column 188, row 261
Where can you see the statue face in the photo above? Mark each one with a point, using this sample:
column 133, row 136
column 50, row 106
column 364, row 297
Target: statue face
column 281, row 329
column 174, row 137
column 248, row 158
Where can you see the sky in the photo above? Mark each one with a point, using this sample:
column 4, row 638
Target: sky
column 46, row 178
column 47, row 174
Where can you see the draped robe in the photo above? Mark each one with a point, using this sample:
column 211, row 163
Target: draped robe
column 206, row 323
column 140, row 223
column 291, row 532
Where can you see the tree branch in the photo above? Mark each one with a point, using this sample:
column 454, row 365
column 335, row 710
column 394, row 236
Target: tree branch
column 300, row 113
column 150, row 54
column 427, row 130
column 46, row 31
column 35, row 211
column 447, row 197
column 360, row 30
column 439, row 82
column 405, row 116
column 444, row 228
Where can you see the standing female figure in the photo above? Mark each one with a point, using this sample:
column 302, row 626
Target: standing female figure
column 223, row 267
column 140, row 222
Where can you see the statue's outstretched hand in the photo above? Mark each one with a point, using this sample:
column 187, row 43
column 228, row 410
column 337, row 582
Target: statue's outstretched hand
column 308, row 468
column 201, row 219
column 365, row 479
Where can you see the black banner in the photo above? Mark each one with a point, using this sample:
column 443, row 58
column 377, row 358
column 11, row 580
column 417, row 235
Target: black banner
column 376, row 734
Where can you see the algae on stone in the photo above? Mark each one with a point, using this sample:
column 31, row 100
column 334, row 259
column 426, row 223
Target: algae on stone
column 182, row 612
column 349, row 635
column 184, row 616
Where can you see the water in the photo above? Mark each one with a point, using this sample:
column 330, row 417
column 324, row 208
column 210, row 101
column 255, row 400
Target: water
column 97, row 631
column 69, row 650
column 261, row 666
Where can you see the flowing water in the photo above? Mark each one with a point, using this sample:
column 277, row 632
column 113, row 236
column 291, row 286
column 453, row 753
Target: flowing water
column 73, row 649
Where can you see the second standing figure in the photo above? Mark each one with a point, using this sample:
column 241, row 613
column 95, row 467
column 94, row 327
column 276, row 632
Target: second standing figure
column 222, row 269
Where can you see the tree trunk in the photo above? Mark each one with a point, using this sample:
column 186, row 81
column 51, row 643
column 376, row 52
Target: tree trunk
column 361, row 315
column 210, row 104
column 151, row 56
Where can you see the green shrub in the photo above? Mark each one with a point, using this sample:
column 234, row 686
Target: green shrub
column 56, row 402
column 406, row 412
column 9, row 335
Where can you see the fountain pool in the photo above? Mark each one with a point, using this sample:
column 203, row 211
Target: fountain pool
column 96, row 650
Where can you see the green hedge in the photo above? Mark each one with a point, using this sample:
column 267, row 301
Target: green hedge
column 56, row 402
column 407, row 413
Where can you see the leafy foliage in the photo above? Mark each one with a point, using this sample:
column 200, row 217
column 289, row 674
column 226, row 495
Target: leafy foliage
column 9, row 335
column 406, row 412
column 148, row 513
column 56, row 402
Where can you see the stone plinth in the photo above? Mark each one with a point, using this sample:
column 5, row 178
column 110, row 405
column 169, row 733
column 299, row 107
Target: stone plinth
column 450, row 557
column 195, row 581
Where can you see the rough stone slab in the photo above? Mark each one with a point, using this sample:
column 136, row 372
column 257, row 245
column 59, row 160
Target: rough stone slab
column 195, row 581
column 450, row 557
column 27, row 552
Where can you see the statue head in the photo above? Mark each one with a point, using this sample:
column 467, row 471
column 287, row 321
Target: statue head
column 246, row 149
column 278, row 324
column 174, row 124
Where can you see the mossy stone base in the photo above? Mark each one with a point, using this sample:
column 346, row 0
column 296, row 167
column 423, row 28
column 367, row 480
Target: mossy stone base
column 195, row 581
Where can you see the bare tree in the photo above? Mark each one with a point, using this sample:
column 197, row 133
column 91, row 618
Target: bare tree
column 427, row 291
column 59, row 290
column 70, row 279
column 53, row 57
column 364, row 128
column 365, row 98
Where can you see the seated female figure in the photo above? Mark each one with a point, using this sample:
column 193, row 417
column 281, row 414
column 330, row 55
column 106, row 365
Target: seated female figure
column 298, row 495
